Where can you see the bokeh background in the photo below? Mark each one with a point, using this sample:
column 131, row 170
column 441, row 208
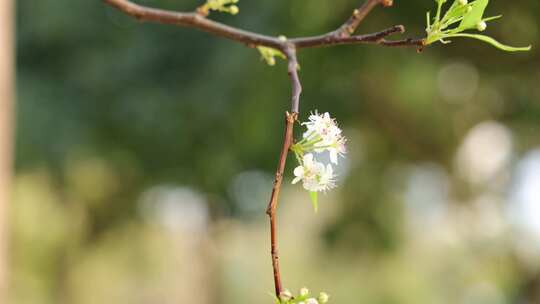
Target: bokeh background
column 145, row 155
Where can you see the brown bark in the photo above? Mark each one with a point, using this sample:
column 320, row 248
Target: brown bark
column 272, row 205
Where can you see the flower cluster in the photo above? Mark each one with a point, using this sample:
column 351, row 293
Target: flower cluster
column 314, row 175
column 286, row 297
column 322, row 135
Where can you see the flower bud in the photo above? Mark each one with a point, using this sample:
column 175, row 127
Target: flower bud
column 323, row 297
column 233, row 9
column 285, row 295
column 312, row 301
column 304, row 292
column 463, row 2
column 481, row 26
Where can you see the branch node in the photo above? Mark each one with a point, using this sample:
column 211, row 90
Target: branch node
column 202, row 11
column 387, row 3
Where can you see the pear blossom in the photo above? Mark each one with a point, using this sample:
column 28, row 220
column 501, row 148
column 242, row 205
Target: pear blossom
column 323, row 297
column 323, row 134
column 336, row 149
column 285, row 295
column 315, row 176
column 303, row 297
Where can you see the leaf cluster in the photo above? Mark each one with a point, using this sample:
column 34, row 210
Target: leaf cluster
column 463, row 16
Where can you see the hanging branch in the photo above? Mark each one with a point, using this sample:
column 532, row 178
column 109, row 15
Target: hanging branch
column 342, row 35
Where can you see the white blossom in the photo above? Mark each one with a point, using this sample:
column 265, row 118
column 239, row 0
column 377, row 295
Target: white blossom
column 304, row 292
column 324, row 134
column 315, row 176
column 312, row 301
column 336, row 149
column 285, row 295
column 323, row 297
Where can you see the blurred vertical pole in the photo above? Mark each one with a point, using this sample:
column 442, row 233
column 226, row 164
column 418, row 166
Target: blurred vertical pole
column 6, row 137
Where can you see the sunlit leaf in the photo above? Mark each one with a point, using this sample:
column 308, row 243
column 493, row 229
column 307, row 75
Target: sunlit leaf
column 494, row 42
column 455, row 12
column 471, row 19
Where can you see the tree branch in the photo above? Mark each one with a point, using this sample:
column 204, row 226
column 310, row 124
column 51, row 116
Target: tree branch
column 251, row 39
column 289, row 47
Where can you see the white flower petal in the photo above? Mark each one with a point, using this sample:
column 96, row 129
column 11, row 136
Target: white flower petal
column 308, row 160
column 329, row 170
column 299, row 171
column 312, row 301
column 333, row 155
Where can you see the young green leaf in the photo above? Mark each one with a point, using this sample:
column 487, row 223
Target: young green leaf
column 494, row 42
column 455, row 13
column 472, row 18
column 268, row 54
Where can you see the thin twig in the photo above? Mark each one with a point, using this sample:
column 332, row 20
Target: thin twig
column 272, row 205
column 330, row 40
column 296, row 86
column 349, row 27
column 290, row 118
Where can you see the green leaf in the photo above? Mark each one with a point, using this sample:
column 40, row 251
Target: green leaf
column 493, row 42
column 456, row 12
column 269, row 54
column 314, row 196
column 472, row 18
column 452, row 11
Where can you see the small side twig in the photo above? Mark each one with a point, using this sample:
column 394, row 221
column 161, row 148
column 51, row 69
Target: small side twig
column 349, row 27
column 330, row 40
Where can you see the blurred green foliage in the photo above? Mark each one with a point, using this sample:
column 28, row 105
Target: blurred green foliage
column 109, row 107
